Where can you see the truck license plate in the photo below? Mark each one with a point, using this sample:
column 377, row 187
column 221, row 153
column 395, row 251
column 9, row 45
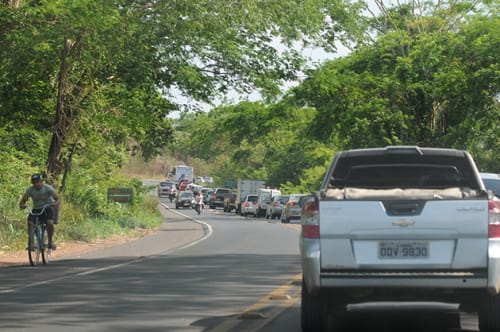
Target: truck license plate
column 403, row 249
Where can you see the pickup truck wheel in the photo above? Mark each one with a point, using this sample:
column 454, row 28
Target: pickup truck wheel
column 489, row 314
column 312, row 311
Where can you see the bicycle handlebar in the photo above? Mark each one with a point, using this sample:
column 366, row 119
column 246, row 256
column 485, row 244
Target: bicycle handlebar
column 41, row 211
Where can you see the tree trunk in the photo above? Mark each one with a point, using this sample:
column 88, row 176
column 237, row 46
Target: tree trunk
column 13, row 3
column 63, row 118
column 67, row 166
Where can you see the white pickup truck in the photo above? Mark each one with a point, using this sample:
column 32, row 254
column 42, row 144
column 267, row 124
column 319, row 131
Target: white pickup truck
column 400, row 223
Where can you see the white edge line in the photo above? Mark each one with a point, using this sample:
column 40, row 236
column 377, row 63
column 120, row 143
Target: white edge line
column 208, row 232
column 208, row 228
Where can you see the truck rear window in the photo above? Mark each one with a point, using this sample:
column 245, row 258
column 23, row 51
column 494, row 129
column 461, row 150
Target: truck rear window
column 253, row 199
column 365, row 173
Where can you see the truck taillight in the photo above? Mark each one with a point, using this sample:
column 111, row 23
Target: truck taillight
column 310, row 220
column 494, row 219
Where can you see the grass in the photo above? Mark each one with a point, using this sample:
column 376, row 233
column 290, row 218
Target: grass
column 76, row 225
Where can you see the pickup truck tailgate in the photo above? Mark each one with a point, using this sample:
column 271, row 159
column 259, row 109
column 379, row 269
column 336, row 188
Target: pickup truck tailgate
column 443, row 234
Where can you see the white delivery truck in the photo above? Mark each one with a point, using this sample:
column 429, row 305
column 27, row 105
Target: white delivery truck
column 183, row 172
column 266, row 195
column 246, row 187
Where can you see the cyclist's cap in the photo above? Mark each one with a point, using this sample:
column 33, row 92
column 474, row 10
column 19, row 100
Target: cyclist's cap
column 36, row 177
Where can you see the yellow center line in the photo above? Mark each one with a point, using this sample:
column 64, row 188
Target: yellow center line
column 296, row 227
column 265, row 301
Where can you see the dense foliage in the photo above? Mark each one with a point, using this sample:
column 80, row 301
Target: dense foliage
column 100, row 74
column 85, row 84
column 431, row 79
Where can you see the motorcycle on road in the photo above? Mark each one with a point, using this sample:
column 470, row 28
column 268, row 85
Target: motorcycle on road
column 198, row 207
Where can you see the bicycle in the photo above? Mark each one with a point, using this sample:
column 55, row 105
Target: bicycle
column 36, row 240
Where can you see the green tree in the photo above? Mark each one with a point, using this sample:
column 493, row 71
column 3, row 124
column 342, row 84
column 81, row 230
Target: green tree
column 67, row 63
column 437, row 87
column 429, row 78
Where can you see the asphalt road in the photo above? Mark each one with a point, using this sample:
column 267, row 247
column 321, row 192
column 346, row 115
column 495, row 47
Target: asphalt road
column 187, row 277
column 215, row 272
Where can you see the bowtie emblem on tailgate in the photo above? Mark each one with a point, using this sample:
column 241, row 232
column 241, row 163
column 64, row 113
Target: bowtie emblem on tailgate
column 403, row 223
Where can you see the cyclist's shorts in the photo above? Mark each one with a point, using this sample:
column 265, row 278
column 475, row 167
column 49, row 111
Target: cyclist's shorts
column 48, row 214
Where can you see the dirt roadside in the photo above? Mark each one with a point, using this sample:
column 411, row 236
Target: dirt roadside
column 65, row 249
column 73, row 248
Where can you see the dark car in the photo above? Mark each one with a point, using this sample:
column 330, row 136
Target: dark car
column 492, row 182
column 230, row 202
column 291, row 210
column 184, row 199
column 274, row 209
column 165, row 188
column 217, row 199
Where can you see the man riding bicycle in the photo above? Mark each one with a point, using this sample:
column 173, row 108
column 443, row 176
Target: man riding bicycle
column 42, row 195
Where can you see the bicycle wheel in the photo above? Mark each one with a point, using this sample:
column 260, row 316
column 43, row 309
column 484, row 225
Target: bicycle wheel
column 34, row 247
column 46, row 251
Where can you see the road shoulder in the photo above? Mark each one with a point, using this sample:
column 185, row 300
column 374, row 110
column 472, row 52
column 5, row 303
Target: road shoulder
column 176, row 231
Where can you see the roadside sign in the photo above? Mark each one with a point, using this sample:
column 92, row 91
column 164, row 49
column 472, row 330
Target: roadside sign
column 121, row 195
column 231, row 184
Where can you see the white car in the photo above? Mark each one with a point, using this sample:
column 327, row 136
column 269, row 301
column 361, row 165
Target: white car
column 265, row 198
column 248, row 205
column 194, row 187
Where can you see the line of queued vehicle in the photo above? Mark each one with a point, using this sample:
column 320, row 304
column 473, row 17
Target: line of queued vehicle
column 286, row 208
